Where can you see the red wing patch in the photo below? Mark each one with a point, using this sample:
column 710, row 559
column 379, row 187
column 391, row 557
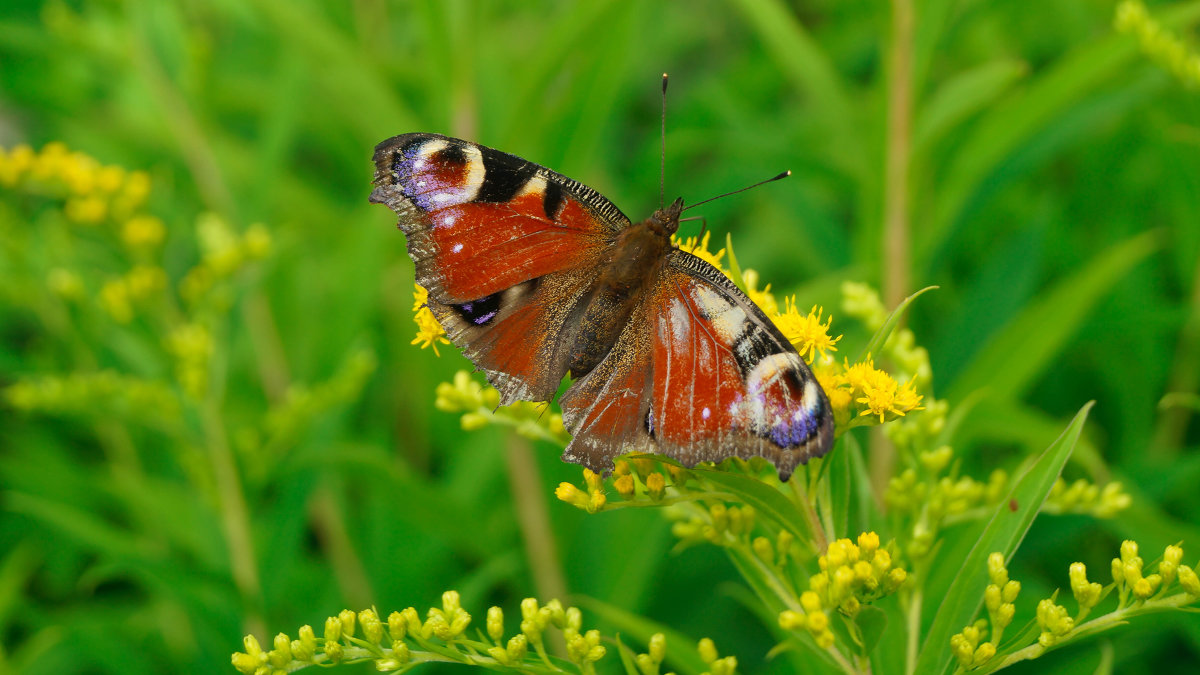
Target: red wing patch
column 700, row 374
column 519, row 335
column 479, row 221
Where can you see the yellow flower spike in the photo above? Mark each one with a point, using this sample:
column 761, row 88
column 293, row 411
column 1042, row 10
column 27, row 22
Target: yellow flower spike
column 869, row 543
column 86, row 210
column 1188, row 580
column 962, row 649
column 517, row 647
column 412, row 619
column 372, row 627
column 818, row 622
column 572, row 495
column 810, row 601
column 429, row 332
column 349, row 622
column 401, row 653
column 699, row 248
column 984, row 653
column 110, row 178
column 708, row 650
column 657, row 649
column 335, row 651
column 397, row 626
column 281, row 652
column 1087, row 594
column 257, row 241
column 807, row 333
column 997, row 572
column 333, row 629
column 656, row 486
column 763, row 549
column 305, row 646
column 1129, row 551
column 495, row 623
column 625, row 486
column 143, row 232
column 819, row 583
column 253, row 658
column 792, row 620
column 1169, row 567
column 1054, row 621
column 763, row 298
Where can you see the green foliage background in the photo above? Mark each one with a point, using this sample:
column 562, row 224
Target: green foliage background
column 1055, row 199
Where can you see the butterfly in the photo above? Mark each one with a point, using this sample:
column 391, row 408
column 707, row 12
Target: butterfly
column 536, row 276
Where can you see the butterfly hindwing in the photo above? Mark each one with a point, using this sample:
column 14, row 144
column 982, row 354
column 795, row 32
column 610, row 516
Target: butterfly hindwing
column 719, row 381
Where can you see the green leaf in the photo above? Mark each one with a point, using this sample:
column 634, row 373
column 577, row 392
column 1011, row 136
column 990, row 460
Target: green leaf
column 1002, row 534
column 962, row 96
column 681, row 650
column 766, row 500
column 628, row 658
column 877, row 341
column 1019, row 352
column 1018, row 118
column 769, row 596
column 872, row 621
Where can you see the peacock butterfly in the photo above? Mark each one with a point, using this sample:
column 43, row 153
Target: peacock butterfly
column 536, row 276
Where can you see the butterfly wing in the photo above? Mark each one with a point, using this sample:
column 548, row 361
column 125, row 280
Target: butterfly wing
column 701, row 375
column 507, row 249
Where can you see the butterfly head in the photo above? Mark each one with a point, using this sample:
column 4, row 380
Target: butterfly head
column 665, row 222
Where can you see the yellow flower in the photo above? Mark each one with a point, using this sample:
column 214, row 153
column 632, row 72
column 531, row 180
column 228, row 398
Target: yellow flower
column 699, row 248
column 807, row 333
column 143, row 232
column 429, row 331
column 86, row 210
column 764, row 298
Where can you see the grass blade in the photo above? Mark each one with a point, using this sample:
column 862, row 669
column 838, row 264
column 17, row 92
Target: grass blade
column 1003, row 533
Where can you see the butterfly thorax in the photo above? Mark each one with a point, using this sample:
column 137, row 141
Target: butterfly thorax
column 634, row 261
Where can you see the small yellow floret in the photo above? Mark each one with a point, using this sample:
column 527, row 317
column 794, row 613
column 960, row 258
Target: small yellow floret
column 429, row 331
column 807, row 332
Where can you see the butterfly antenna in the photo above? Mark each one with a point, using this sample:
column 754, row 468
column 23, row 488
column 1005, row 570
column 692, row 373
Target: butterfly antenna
column 662, row 171
column 781, row 176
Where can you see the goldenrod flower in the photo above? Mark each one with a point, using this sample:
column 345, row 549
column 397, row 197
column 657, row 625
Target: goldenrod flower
column 429, row 331
column 143, row 232
column 763, row 298
column 699, row 248
column 806, row 332
column 1165, row 48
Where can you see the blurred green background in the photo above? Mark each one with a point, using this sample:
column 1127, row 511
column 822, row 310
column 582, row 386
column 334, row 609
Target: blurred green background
column 1053, row 195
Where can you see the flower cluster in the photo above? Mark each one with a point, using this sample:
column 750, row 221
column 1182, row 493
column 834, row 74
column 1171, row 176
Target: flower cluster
column 1137, row 593
column 99, row 393
column 224, row 253
column 429, row 332
column 404, row 640
column 852, row 574
column 480, row 406
column 1084, row 497
column 93, row 193
column 1168, row 50
column 592, row 499
column 998, row 597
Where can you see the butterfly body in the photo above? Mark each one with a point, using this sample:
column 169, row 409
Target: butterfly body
column 536, row 276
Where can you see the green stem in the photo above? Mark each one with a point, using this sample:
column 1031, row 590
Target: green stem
column 540, row 548
column 896, row 235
